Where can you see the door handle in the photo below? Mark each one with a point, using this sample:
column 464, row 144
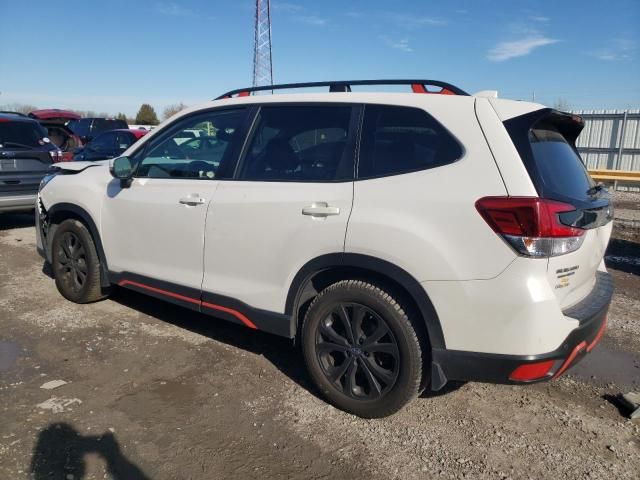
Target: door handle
column 192, row 200
column 320, row 209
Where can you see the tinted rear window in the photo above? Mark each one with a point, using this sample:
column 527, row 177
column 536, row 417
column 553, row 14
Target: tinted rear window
column 399, row 140
column 80, row 127
column 23, row 133
column 103, row 125
column 559, row 166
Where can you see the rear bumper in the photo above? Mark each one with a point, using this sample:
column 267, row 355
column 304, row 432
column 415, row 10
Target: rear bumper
column 16, row 203
column 591, row 314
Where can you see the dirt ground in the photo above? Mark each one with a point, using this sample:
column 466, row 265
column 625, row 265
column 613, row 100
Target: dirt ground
column 157, row 392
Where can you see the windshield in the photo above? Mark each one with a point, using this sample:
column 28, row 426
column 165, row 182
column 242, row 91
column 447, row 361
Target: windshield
column 23, row 133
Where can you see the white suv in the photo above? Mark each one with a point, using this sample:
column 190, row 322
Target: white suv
column 402, row 239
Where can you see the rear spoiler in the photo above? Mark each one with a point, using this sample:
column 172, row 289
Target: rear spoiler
column 569, row 124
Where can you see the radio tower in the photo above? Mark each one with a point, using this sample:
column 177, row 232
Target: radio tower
column 262, row 74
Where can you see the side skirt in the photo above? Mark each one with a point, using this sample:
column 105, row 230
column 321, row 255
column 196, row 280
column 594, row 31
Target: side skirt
column 219, row 306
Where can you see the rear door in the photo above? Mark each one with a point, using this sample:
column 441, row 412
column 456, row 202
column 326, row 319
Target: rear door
column 546, row 142
column 288, row 203
column 24, row 159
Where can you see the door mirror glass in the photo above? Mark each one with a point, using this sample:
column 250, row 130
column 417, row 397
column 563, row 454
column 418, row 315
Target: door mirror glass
column 121, row 168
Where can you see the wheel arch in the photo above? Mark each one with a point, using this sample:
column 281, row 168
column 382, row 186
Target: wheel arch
column 326, row 269
column 60, row 212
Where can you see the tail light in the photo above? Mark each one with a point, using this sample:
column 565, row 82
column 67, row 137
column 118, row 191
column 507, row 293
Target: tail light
column 56, row 155
column 531, row 225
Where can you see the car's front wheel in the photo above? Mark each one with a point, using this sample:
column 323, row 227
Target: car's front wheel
column 75, row 263
column 361, row 349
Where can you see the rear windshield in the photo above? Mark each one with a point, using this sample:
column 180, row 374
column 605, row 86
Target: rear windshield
column 17, row 134
column 80, row 127
column 559, row 166
column 103, row 125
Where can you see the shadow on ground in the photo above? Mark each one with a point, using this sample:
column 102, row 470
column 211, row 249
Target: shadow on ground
column 60, row 453
column 278, row 350
column 16, row 220
column 623, row 255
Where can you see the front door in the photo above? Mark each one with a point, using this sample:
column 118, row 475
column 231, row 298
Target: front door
column 288, row 203
column 155, row 227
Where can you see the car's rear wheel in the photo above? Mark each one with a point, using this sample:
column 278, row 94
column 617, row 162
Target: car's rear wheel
column 75, row 263
column 361, row 349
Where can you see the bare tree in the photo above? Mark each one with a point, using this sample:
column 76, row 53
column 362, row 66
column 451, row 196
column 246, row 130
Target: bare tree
column 171, row 110
column 562, row 104
column 23, row 108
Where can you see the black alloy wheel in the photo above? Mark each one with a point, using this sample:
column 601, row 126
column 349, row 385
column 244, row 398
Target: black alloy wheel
column 71, row 262
column 75, row 263
column 357, row 351
column 362, row 351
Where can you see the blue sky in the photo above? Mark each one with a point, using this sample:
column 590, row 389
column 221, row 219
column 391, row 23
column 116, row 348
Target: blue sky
column 114, row 55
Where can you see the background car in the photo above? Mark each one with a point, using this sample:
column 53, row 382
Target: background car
column 62, row 136
column 108, row 145
column 26, row 153
column 54, row 115
column 88, row 128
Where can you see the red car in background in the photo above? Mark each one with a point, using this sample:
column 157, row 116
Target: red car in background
column 54, row 120
column 55, row 115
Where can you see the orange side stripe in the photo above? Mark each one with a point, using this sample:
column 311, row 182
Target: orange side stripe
column 235, row 313
column 574, row 353
column 124, row 283
column 598, row 335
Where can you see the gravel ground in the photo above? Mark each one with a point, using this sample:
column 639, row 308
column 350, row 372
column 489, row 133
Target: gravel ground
column 154, row 391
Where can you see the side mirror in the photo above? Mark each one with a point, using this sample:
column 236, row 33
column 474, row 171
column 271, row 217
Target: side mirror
column 122, row 169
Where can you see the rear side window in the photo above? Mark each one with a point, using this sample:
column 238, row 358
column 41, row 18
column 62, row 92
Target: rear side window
column 300, row 144
column 398, row 140
column 559, row 166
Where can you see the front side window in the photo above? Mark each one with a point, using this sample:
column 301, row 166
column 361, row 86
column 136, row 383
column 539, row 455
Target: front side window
column 300, row 144
column 124, row 140
column 398, row 140
column 176, row 155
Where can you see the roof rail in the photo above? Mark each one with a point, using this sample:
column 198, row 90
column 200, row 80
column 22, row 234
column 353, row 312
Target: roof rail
column 417, row 86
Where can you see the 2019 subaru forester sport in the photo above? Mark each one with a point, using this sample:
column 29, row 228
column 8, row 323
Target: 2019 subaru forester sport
column 404, row 240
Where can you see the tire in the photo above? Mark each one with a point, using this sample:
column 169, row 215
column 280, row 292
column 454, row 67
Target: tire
column 375, row 374
column 75, row 263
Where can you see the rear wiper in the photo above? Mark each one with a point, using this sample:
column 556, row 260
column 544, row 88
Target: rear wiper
column 14, row 144
column 595, row 189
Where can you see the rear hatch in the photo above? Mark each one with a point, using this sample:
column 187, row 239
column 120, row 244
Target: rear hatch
column 545, row 140
column 24, row 156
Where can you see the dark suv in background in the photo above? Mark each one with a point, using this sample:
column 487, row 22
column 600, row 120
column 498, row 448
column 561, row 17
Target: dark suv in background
column 88, row 128
column 26, row 153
